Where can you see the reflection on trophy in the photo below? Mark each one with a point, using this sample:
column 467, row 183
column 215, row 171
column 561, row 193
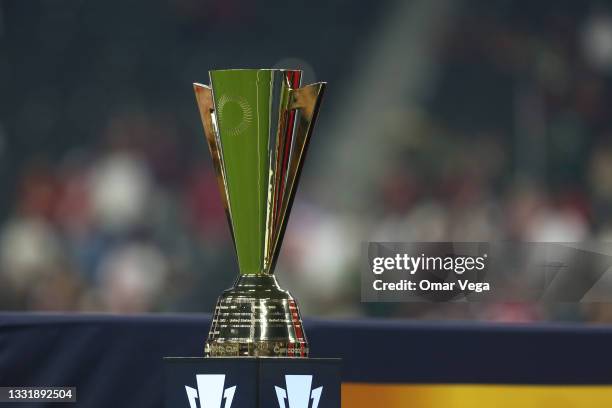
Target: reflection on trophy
column 257, row 123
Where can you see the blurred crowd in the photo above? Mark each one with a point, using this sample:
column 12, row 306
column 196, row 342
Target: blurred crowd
column 512, row 142
column 124, row 229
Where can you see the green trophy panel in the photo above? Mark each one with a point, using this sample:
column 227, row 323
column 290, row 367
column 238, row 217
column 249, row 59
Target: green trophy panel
column 243, row 101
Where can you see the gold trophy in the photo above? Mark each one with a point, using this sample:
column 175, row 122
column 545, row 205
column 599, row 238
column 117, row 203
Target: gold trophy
column 257, row 123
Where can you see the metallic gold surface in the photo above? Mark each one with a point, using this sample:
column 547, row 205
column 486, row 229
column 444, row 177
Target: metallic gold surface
column 205, row 103
column 258, row 124
column 364, row 395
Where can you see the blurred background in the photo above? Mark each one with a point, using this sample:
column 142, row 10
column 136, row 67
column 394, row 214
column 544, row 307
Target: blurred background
column 447, row 120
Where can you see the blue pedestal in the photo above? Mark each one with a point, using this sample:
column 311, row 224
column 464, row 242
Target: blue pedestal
column 252, row 382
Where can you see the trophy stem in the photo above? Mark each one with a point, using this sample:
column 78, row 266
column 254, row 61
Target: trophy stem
column 256, row 318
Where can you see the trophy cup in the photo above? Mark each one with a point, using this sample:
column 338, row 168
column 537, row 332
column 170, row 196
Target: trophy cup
column 257, row 124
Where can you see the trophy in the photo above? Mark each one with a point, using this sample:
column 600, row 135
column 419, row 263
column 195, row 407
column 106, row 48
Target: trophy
column 257, row 124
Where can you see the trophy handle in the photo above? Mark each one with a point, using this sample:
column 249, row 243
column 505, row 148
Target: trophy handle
column 306, row 100
column 204, row 98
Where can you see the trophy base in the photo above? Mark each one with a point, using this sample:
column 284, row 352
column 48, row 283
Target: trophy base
column 256, row 318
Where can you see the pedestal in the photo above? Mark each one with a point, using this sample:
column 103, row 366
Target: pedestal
column 247, row 382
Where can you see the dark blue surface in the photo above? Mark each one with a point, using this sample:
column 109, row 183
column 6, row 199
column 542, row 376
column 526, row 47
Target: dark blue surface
column 255, row 379
column 182, row 372
column 117, row 361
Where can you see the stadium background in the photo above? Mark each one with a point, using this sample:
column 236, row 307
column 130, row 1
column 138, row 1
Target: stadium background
column 445, row 120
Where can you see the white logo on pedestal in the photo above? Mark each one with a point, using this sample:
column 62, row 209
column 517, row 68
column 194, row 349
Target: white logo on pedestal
column 298, row 392
column 210, row 392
